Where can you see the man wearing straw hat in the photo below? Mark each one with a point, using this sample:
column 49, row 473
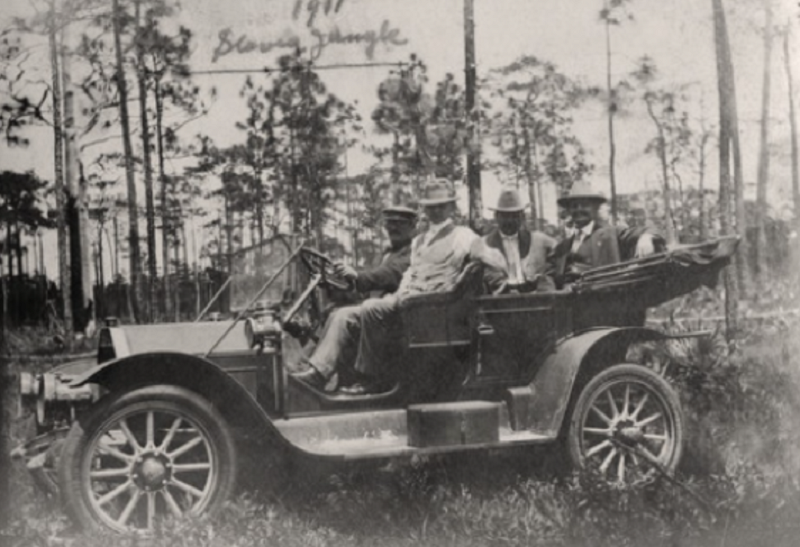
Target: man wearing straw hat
column 438, row 256
column 594, row 243
column 524, row 252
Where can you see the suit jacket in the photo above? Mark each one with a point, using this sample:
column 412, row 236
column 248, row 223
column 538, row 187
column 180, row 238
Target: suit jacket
column 386, row 276
column 534, row 248
column 606, row 245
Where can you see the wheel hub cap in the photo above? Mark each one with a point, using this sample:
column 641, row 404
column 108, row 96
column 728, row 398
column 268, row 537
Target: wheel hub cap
column 630, row 435
column 151, row 471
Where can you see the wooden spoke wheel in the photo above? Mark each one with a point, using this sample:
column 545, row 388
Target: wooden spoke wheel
column 147, row 454
column 626, row 422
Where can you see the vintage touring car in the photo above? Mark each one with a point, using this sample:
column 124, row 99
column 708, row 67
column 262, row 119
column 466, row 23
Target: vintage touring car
column 153, row 428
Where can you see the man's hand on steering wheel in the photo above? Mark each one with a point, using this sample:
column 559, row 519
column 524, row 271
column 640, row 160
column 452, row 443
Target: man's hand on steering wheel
column 318, row 263
column 346, row 272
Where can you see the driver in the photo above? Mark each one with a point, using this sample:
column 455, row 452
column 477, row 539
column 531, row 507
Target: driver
column 438, row 255
column 399, row 222
column 336, row 348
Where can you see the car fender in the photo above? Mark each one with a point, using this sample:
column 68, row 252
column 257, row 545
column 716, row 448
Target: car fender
column 193, row 372
column 588, row 351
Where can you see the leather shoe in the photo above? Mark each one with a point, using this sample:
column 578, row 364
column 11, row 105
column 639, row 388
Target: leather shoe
column 363, row 388
column 311, row 377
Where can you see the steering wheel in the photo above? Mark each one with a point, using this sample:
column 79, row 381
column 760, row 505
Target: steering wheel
column 321, row 264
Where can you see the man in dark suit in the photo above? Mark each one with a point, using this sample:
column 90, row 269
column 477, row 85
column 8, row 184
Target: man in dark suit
column 399, row 222
column 524, row 251
column 335, row 351
column 594, row 243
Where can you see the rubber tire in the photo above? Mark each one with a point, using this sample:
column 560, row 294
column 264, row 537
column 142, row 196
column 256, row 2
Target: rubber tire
column 615, row 374
column 166, row 397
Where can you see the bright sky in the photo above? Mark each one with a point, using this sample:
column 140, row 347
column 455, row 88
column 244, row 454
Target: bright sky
column 676, row 33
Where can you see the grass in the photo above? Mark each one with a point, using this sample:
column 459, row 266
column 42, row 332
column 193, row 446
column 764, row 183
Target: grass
column 739, row 485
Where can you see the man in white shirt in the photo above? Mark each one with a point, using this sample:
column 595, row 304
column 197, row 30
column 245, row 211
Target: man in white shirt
column 438, row 256
column 524, row 251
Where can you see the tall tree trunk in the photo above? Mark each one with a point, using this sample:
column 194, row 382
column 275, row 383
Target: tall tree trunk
column 396, row 190
column 176, row 256
column 162, row 178
column 539, row 182
column 116, row 247
column 100, row 274
column 133, row 211
column 763, row 152
column 6, row 419
column 18, row 248
column 612, row 107
column 669, row 220
column 9, row 249
column 228, row 236
column 295, row 209
column 61, row 198
column 150, row 214
column 742, row 257
column 529, row 175
column 787, row 63
column 75, row 183
column 701, row 184
column 260, row 205
column 473, row 152
column 726, row 107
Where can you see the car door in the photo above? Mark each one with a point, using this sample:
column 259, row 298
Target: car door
column 514, row 331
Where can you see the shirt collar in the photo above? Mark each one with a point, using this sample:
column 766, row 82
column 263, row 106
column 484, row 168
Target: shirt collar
column 512, row 237
column 434, row 229
column 586, row 230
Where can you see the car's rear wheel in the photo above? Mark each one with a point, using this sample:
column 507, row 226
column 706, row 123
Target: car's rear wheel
column 146, row 454
column 626, row 423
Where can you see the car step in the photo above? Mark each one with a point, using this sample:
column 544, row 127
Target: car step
column 423, row 429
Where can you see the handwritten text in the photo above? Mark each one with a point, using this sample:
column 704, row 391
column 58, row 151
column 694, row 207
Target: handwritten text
column 386, row 35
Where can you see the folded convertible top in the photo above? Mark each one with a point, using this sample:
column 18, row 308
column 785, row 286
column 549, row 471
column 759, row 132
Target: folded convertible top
column 664, row 276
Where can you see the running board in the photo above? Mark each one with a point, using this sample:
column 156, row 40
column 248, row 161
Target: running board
column 385, row 433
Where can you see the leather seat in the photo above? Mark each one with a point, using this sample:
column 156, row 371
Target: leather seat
column 443, row 319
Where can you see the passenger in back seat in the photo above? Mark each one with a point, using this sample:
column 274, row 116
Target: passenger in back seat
column 438, row 256
column 523, row 251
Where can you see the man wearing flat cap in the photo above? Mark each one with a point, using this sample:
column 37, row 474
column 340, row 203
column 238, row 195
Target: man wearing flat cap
column 336, row 348
column 399, row 222
column 438, row 255
column 524, row 251
column 594, row 243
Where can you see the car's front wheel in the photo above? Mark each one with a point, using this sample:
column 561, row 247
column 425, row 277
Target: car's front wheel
column 146, row 454
column 626, row 423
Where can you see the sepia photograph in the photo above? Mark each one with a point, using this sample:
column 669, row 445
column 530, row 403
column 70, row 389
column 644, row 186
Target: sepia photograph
column 399, row 273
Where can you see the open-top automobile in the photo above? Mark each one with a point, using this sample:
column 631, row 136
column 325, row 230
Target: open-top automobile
column 153, row 428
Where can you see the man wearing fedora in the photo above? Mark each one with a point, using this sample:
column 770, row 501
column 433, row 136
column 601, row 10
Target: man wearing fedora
column 524, row 251
column 438, row 255
column 335, row 350
column 594, row 243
